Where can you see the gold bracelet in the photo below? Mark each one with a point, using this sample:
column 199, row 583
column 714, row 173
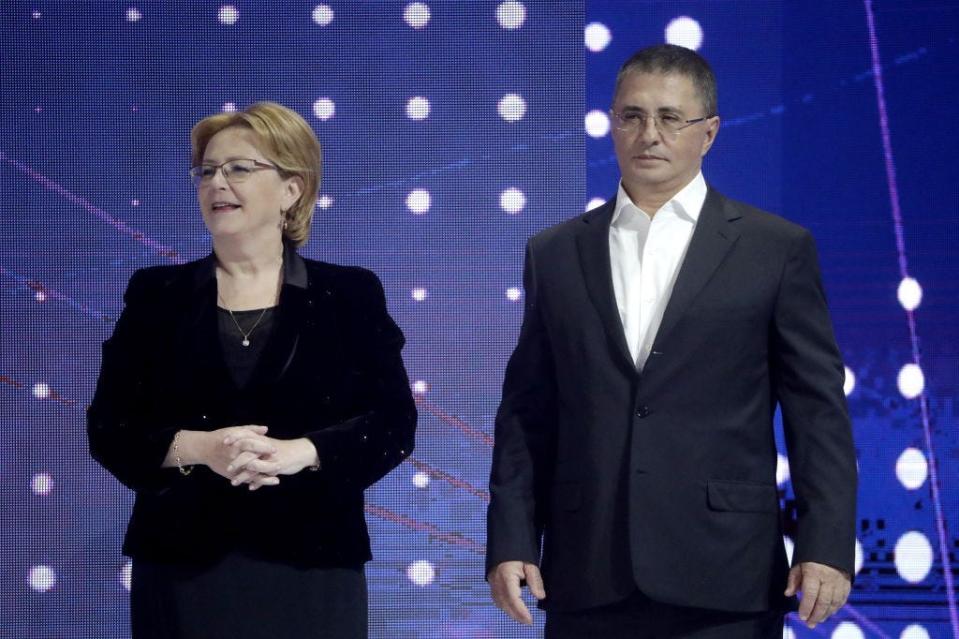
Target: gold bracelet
column 184, row 470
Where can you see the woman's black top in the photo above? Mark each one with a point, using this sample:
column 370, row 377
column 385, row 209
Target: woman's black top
column 241, row 360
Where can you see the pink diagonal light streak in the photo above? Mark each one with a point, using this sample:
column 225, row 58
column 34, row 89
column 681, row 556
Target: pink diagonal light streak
column 910, row 316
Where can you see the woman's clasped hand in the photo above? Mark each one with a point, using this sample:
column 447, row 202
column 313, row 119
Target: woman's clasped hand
column 245, row 455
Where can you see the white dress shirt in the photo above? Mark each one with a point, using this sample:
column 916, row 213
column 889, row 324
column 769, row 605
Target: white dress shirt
column 645, row 254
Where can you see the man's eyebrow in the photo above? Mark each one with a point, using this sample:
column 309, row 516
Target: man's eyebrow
column 663, row 109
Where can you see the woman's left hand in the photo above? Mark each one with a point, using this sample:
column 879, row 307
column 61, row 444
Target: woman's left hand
column 258, row 457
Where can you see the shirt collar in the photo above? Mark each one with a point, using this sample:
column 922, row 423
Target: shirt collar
column 294, row 269
column 688, row 202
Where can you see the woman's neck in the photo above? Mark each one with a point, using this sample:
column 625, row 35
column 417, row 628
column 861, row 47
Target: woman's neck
column 248, row 276
column 243, row 260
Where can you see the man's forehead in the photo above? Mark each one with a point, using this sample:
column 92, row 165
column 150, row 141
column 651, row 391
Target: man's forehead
column 642, row 84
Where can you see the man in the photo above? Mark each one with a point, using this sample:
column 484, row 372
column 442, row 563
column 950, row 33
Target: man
column 633, row 481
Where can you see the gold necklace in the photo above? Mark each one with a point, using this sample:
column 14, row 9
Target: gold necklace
column 246, row 334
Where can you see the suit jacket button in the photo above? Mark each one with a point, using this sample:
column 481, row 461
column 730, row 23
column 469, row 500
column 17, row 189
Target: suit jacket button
column 642, row 411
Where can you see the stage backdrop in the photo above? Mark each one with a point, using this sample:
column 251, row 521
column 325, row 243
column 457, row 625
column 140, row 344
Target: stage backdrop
column 839, row 116
column 451, row 132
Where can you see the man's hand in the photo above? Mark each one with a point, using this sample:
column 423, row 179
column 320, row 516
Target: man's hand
column 824, row 590
column 504, row 584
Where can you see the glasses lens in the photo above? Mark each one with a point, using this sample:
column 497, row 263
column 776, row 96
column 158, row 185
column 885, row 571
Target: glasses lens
column 669, row 123
column 198, row 174
column 238, row 170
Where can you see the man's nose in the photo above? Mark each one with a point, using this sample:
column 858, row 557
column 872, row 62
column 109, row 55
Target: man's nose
column 649, row 132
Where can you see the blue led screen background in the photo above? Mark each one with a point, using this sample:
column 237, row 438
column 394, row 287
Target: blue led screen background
column 452, row 131
column 802, row 136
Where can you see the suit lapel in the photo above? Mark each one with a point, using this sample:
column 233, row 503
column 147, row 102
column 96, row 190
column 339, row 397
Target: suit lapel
column 711, row 240
column 291, row 317
column 592, row 242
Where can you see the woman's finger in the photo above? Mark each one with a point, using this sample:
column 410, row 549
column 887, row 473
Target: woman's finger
column 263, row 480
column 240, row 461
column 258, row 445
column 264, row 466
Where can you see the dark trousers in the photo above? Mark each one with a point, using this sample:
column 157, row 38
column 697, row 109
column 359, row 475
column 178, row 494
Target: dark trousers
column 639, row 617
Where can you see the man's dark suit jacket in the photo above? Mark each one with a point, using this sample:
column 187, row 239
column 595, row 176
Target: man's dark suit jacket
column 331, row 372
column 665, row 479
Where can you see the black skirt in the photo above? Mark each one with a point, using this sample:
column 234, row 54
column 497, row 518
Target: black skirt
column 241, row 597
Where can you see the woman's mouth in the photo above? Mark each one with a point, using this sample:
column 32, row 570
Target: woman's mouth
column 224, row 207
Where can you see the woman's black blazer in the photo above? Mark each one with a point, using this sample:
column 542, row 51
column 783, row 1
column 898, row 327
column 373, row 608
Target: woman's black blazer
column 331, row 371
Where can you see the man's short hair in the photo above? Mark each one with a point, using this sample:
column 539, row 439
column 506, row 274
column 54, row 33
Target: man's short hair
column 672, row 59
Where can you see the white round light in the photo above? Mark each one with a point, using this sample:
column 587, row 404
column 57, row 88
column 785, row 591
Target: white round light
column 417, row 108
column 847, row 630
column 512, row 200
column 41, row 390
column 42, row 578
column 511, row 107
column 228, row 14
column 597, row 123
column 913, row 556
column 324, row 202
column 685, row 32
column 134, row 202
column 849, row 381
column 420, row 387
column 911, row 468
column 782, row 469
column 36, row 14
column 859, row 557
column 229, row 107
column 911, row 381
column 790, row 546
column 40, row 296
column 914, row 631
column 322, row 14
column 126, row 575
column 513, row 294
column 421, row 572
column 41, row 484
column 421, row 480
column 597, row 36
column 511, row 14
column 133, row 14
column 788, row 633
column 418, row 294
column 418, row 201
column 324, row 109
column 595, row 203
column 909, row 294
column 416, row 14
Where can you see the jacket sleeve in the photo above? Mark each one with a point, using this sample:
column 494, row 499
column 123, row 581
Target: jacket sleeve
column 808, row 381
column 120, row 431
column 524, row 439
column 360, row 450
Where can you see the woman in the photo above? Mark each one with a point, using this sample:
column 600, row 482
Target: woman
column 248, row 399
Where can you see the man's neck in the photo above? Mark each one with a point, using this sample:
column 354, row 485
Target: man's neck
column 651, row 199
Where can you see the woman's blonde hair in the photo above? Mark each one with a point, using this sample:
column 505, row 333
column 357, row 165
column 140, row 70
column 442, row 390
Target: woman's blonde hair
column 287, row 141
